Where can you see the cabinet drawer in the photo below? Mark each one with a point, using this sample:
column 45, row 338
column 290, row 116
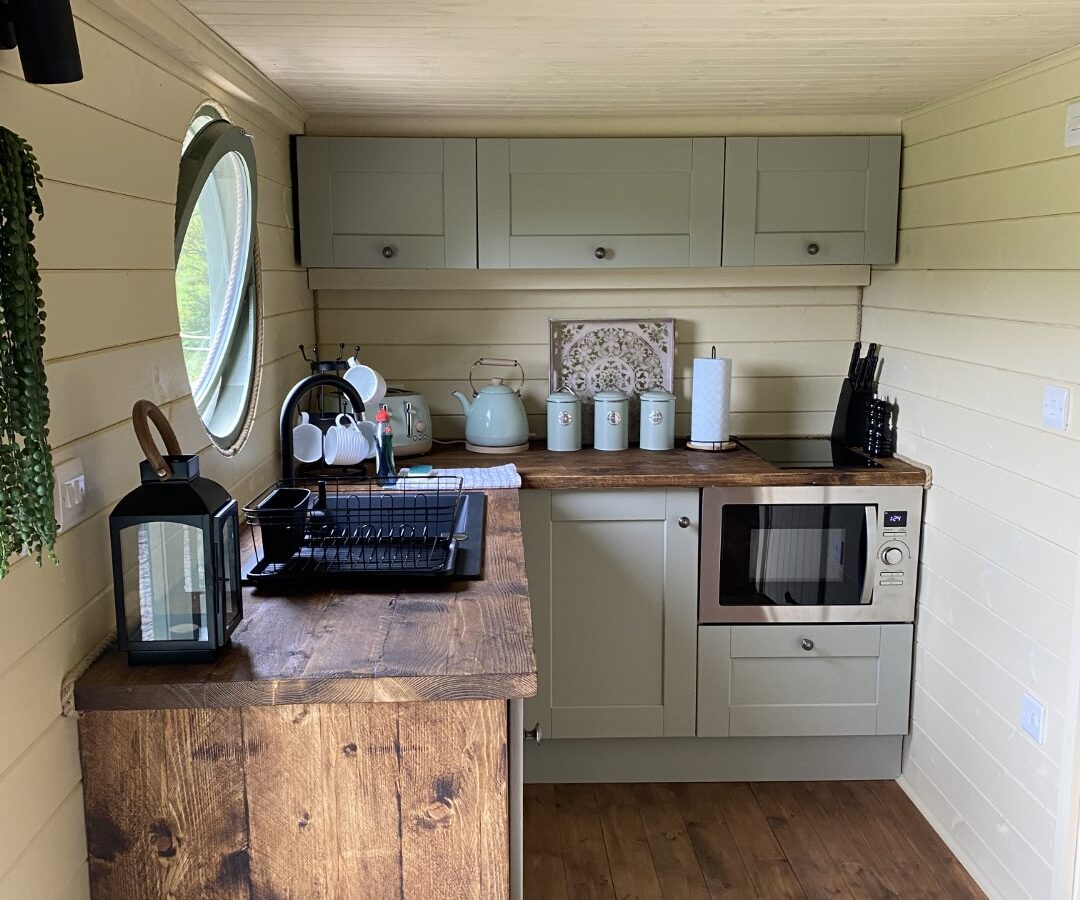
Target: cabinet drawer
column 409, row 251
column 794, row 249
column 620, row 251
column 796, row 680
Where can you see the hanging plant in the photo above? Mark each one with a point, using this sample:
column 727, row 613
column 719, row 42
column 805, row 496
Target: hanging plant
column 26, row 477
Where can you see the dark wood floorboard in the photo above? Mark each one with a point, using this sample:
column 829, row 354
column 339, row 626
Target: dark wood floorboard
column 857, row 840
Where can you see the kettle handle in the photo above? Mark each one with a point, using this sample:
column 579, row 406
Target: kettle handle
column 492, row 361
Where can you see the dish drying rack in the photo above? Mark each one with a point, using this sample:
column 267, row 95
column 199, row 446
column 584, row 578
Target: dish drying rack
column 334, row 526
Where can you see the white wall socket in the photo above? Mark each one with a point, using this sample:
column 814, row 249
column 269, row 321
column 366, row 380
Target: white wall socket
column 1033, row 718
column 1072, row 125
column 70, row 493
column 1055, row 410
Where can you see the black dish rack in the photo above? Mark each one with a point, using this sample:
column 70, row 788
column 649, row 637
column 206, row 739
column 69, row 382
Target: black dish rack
column 334, row 527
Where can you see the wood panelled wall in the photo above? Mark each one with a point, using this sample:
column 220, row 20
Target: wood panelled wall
column 981, row 312
column 790, row 345
column 109, row 148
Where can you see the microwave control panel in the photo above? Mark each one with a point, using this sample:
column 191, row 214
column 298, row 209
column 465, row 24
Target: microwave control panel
column 894, row 553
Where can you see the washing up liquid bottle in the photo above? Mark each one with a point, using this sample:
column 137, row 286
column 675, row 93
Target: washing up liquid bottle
column 387, row 471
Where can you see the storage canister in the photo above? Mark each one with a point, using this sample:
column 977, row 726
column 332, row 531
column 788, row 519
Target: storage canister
column 563, row 420
column 611, row 426
column 657, row 420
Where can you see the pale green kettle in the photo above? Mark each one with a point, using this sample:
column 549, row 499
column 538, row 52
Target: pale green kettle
column 495, row 420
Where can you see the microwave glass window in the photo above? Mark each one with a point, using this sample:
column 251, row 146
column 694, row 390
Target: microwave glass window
column 797, row 555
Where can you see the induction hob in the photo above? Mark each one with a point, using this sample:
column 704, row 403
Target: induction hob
column 808, row 453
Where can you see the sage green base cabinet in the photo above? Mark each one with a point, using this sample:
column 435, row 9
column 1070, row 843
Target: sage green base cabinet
column 599, row 202
column 811, row 200
column 387, row 202
column 613, row 581
column 803, row 680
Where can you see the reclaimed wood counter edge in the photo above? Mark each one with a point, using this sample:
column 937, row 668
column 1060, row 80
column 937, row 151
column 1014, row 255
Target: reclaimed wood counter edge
column 473, row 640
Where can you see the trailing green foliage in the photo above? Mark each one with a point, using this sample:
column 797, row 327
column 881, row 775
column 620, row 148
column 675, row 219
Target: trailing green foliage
column 27, row 517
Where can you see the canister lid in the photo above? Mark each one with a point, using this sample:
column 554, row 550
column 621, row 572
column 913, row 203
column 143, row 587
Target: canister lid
column 610, row 397
column 658, row 396
column 563, row 395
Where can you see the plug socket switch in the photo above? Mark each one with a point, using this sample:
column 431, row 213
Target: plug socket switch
column 1055, row 409
column 1033, row 718
column 70, row 493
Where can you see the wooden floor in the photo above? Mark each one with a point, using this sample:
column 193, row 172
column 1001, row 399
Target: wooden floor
column 845, row 839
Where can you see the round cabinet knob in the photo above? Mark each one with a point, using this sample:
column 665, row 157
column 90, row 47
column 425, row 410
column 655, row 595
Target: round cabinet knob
column 806, row 644
column 892, row 556
column 812, row 248
column 388, row 252
column 684, row 522
column 536, row 733
column 599, row 252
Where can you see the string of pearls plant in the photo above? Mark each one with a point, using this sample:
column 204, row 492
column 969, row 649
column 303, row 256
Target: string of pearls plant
column 27, row 517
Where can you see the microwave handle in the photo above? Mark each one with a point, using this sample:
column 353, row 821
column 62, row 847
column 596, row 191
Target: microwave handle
column 871, row 556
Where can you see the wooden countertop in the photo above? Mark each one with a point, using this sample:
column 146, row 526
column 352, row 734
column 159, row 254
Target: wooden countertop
column 473, row 640
column 543, row 469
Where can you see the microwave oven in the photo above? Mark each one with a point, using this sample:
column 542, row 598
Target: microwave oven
column 809, row 554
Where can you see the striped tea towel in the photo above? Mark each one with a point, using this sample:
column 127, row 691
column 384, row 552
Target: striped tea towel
column 476, row 479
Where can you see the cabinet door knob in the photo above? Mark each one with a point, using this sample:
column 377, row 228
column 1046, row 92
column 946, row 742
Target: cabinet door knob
column 812, row 248
column 388, row 251
column 599, row 252
column 806, row 644
column 684, row 522
column 536, row 733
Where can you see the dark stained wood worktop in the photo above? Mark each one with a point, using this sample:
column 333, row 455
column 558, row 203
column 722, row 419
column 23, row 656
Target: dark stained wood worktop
column 543, row 469
column 471, row 641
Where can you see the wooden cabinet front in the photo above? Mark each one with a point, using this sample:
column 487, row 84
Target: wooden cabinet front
column 612, row 576
column 599, row 202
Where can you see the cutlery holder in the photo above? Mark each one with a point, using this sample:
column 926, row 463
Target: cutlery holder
column 286, row 509
column 849, row 424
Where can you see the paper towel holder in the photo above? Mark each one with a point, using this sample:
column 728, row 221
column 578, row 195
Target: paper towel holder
column 712, row 446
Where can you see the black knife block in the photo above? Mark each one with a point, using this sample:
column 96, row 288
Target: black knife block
column 849, row 424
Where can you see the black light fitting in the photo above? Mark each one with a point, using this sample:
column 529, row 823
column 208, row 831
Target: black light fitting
column 44, row 32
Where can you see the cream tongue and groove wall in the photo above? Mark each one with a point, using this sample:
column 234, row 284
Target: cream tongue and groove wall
column 109, row 147
column 981, row 311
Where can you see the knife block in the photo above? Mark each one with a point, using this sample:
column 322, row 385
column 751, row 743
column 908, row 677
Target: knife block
column 849, row 424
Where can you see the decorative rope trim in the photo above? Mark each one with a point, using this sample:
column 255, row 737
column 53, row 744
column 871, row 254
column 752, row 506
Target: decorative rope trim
column 67, row 686
column 858, row 315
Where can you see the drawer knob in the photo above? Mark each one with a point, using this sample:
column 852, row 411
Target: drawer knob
column 806, row 644
column 599, row 252
column 812, row 248
column 536, row 733
column 684, row 522
column 388, row 252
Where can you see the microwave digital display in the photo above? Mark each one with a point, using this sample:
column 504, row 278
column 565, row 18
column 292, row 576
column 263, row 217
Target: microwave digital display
column 895, row 519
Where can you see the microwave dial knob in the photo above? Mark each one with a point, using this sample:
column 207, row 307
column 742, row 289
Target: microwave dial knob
column 892, row 556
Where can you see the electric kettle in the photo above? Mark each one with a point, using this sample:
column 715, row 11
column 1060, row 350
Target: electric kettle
column 495, row 420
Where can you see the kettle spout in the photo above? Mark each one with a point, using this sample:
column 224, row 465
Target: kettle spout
column 466, row 403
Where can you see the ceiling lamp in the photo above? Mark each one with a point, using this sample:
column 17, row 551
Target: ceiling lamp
column 44, row 32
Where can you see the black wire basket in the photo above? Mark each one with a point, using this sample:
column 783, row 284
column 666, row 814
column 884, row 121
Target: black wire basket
column 303, row 528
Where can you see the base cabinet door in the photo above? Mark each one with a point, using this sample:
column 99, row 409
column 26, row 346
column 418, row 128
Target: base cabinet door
column 799, row 680
column 612, row 574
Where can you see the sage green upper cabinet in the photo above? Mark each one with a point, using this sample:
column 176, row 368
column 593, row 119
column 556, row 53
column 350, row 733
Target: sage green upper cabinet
column 811, row 200
column 387, row 202
column 599, row 202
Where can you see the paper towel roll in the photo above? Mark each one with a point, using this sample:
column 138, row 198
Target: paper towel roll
column 710, row 407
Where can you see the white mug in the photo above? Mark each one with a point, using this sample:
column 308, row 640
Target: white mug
column 307, row 440
column 346, row 443
column 369, row 384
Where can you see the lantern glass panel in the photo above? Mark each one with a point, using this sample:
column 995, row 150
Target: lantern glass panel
column 232, row 567
column 164, row 582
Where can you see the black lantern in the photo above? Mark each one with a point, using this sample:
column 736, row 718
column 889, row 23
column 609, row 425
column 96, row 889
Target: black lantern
column 176, row 555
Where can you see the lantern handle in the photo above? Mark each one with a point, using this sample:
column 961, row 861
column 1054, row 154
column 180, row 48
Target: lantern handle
column 141, row 414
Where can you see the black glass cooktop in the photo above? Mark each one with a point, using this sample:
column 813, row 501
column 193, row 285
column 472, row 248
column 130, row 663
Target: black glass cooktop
column 808, row 453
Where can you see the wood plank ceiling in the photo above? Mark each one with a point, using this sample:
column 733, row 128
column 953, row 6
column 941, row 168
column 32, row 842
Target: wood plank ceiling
column 634, row 57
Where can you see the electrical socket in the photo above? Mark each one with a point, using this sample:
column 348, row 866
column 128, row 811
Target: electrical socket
column 1033, row 718
column 1055, row 408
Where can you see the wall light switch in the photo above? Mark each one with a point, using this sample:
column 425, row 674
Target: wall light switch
column 1033, row 718
column 70, row 495
column 1055, row 411
column 1072, row 125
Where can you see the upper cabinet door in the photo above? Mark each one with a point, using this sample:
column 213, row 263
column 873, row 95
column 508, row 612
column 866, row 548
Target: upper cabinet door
column 811, row 200
column 600, row 202
column 387, row 202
